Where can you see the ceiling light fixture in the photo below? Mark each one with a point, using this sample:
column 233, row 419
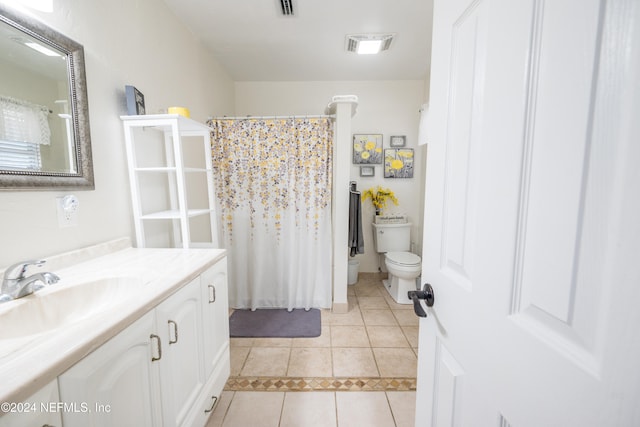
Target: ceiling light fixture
column 41, row 49
column 35, row 46
column 368, row 44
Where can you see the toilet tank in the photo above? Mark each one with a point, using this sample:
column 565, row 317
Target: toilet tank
column 392, row 237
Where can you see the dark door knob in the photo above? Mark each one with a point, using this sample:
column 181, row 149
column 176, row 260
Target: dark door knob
column 426, row 294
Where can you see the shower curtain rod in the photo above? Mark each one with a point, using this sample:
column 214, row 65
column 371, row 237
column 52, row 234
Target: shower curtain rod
column 293, row 116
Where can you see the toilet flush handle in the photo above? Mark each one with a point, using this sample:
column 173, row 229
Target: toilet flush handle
column 426, row 294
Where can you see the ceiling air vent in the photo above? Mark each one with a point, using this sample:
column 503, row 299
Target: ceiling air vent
column 352, row 44
column 368, row 43
column 287, row 7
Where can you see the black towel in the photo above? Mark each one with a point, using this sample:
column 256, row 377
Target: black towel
column 356, row 241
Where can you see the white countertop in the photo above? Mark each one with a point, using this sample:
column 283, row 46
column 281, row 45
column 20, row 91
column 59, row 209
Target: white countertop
column 38, row 359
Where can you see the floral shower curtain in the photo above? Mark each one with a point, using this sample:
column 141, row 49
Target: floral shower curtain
column 273, row 187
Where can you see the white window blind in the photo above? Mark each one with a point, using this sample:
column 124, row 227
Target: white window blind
column 24, row 126
column 16, row 155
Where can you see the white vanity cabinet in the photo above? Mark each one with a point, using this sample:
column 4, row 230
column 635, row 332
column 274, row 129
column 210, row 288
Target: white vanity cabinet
column 117, row 382
column 180, row 326
column 216, row 314
column 40, row 409
column 216, row 360
column 160, row 370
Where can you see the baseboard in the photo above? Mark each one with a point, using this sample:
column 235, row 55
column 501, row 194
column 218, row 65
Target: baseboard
column 340, row 307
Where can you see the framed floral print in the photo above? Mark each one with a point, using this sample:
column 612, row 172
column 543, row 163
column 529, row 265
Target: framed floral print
column 398, row 163
column 367, row 149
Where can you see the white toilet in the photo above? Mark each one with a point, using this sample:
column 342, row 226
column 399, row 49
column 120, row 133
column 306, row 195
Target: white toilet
column 394, row 240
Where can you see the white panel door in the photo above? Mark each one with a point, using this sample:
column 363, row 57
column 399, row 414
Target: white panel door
column 531, row 234
column 117, row 384
column 179, row 323
column 215, row 312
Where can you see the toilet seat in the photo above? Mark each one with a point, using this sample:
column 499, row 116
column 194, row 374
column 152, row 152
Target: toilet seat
column 403, row 258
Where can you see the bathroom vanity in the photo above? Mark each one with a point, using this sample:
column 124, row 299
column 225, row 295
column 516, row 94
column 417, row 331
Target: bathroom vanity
column 126, row 337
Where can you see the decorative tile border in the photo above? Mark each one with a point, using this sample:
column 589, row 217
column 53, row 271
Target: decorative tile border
column 319, row 384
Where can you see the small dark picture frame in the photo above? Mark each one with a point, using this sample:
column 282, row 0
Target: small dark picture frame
column 397, row 141
column 135, row 101
column 367, row 171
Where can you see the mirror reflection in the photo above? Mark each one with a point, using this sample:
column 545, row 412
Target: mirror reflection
column 35, row 120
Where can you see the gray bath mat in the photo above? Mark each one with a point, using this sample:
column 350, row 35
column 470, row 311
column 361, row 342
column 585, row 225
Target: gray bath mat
column 275, row 323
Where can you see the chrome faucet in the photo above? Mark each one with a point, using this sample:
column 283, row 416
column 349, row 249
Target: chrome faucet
column 15, row 285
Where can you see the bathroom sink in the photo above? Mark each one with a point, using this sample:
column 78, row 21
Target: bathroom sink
column 59, row 306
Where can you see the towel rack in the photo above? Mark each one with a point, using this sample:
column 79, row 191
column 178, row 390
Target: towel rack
column 352, row 187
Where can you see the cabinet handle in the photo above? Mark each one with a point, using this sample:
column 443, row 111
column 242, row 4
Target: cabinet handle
column 175, row 332
column 213, row 404
column 159, row 347
column 212, row 294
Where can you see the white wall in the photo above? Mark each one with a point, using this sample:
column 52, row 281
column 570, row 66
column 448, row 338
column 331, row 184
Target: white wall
column 386, row 107
column 126, row 42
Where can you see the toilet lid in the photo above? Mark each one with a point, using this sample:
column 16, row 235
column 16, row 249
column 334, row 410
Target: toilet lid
column 403, row 258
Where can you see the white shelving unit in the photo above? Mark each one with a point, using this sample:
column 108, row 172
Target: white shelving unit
column 158, row 146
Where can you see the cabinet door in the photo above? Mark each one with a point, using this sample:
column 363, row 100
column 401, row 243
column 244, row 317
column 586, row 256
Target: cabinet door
column 216, row 315
column 116, row 385
column 40, row 409
column 179, row 323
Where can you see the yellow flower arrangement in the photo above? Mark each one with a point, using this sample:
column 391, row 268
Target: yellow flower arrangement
column 379, row 196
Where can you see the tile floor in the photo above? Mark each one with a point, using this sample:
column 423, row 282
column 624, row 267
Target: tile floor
column 370, row 351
